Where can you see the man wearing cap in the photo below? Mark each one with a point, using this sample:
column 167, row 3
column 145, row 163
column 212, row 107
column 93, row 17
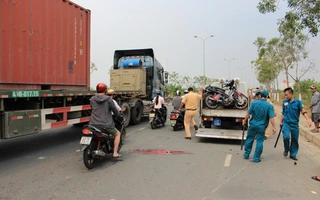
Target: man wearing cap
column 190, row 101
column 315, row 109
column 291, row 109
column 261, row 112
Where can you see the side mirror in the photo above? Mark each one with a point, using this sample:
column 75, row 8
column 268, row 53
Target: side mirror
column 166, row 75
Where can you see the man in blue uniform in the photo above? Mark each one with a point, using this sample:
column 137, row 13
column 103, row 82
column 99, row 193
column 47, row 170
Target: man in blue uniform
column 261, row 112
column 291, row 109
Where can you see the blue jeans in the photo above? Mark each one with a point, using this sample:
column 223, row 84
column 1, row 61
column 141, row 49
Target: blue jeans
column 293, row 131
column 258, row 133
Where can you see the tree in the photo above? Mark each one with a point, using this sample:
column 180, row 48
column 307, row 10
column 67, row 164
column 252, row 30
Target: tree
column 93, row 67
column 266, row 73
column 303, row 14
column 268, row 64
column 298, row 53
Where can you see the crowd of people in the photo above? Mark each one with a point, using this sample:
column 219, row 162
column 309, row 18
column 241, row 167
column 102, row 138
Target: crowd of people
column 260, row 117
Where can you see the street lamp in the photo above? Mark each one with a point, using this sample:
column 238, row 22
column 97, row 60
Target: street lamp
column 229, row 65
column 241, row 68
column 203, row 40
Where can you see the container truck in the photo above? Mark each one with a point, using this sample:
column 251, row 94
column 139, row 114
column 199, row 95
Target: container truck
column 135, row 77
column 45, row 66
column 222, row 122
column 45, row 69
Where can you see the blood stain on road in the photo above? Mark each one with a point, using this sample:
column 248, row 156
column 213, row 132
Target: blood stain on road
column 159, row 151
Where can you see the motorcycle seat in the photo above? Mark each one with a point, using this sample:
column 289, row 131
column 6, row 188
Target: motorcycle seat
column 97, row 129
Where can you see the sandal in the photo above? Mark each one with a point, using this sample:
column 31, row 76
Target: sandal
column 118, row 156
column 315, row 131
column 315, row 178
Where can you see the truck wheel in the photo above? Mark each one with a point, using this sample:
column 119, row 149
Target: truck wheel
column 136, row 113
column 211, row 103
column 126, row 114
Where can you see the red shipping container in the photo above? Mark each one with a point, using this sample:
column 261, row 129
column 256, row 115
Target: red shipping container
column 44, row 44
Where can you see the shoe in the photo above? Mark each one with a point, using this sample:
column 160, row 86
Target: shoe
column 315, row 178
column 293, row 158
column 314, row 131
column 187, row 138
column 256, row 161
column 285, row 153
column 196, row 127
column 245, row 157
column 118, row 156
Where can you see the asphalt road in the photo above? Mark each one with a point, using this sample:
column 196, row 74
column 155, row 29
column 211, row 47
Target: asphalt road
column 49, row 166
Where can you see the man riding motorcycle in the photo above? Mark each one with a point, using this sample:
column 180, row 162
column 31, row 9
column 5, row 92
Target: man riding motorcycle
column 101, row 107
column 176, row 100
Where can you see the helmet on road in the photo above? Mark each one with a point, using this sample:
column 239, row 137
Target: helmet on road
column 178, row 93
column 186, row 92
column 101, row 88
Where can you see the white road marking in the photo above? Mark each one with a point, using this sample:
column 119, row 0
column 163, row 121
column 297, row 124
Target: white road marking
column 213, row 191
column 40, row 158
column 141, row 129
column 228, row 160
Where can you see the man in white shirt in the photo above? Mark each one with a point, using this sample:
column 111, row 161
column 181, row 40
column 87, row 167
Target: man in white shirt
column 112, row 93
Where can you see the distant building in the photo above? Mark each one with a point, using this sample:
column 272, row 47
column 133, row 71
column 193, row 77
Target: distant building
column 284, row 84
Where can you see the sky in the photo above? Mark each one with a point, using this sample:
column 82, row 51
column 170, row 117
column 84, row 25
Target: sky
column 169, row 27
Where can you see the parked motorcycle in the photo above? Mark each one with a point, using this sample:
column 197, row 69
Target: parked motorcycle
column 216, row 97
column 177, row 120
column 96, row 143
column 157, row 116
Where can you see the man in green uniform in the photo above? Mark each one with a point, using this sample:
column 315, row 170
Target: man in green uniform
column 261, row 112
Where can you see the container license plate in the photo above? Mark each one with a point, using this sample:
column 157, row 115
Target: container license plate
column 173, row 121
column 216, row 122
column 85, row 140
column 151, row 115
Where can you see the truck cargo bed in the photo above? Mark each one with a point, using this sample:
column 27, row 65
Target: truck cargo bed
column 220, row 112
column 220, row 133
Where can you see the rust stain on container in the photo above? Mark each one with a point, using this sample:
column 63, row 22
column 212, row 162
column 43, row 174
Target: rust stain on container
column 159, row 151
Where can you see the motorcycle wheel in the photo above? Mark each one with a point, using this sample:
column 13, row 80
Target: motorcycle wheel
column 175, row 128
column 88, row 160
column 242, row 102
column 123, row 134
column 153, row 125
column 210, row 103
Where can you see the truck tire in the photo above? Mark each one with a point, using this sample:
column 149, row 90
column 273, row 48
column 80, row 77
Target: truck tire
column 136, row 113
column 211, row 104
column 126, row 114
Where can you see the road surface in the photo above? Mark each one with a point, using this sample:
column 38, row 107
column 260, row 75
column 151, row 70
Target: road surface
column 49, row 166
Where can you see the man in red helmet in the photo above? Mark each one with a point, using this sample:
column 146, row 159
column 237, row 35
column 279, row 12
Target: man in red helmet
column 101, row 106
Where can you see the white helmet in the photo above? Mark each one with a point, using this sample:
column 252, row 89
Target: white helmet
column 186, row 92
column 178, row 93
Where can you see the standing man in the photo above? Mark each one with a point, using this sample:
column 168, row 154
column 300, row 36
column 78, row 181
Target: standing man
column 291, row 109
column 315, row 109
column 267, row 133
column 176, row 101
column 261, row 112
column 190, row 101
